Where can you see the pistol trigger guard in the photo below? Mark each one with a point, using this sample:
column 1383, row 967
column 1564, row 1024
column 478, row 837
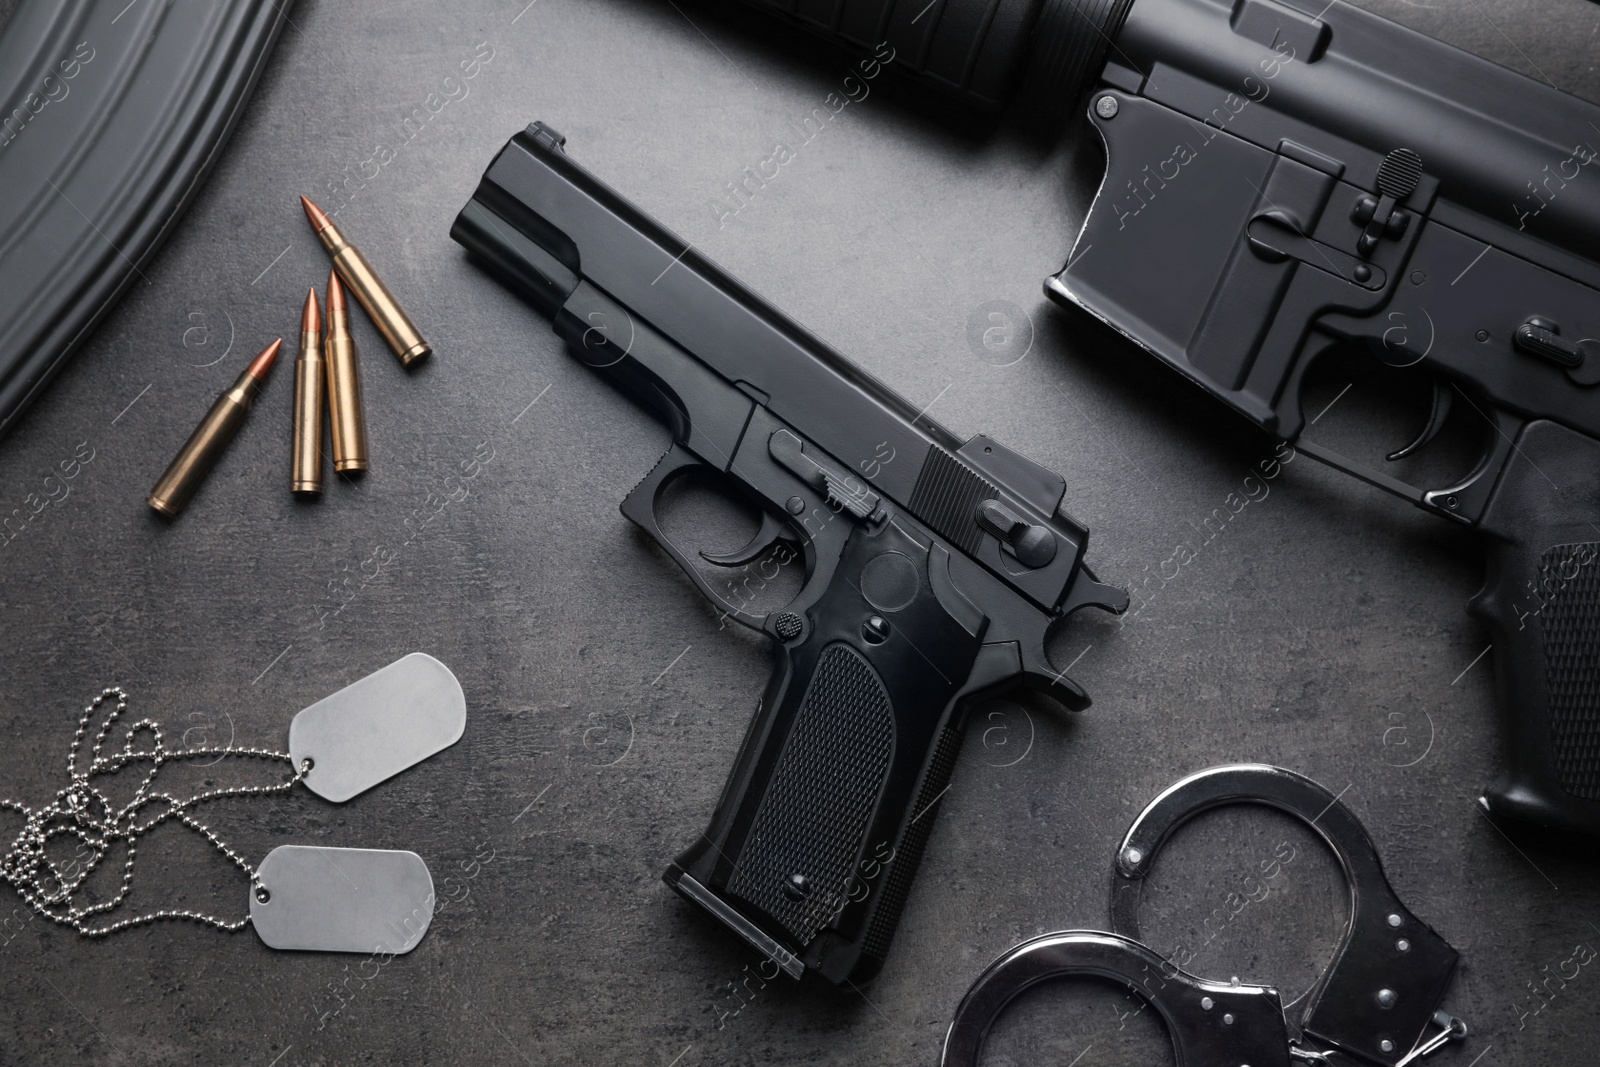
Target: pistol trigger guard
column 1210, row 1023
column 1444, row 395
column 639, row 507
column 1390, row 971
column 773, row 530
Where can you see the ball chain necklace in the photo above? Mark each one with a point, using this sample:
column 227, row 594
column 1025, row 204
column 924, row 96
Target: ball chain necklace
column 83, row 812
column 305, row 897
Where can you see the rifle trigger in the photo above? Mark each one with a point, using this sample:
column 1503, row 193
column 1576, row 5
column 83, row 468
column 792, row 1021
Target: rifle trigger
column 1444, row 395
column 771, row 532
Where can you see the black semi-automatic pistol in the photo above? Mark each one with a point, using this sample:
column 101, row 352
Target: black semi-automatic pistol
column 935, row 568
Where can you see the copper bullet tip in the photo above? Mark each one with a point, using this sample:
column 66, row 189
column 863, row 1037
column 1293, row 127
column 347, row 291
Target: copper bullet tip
column 263, row 363
column 319, row 219
column 311, row 316
column 335, row 295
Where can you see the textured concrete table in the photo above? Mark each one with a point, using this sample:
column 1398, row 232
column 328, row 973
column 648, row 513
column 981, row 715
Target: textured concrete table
column 1323, row 629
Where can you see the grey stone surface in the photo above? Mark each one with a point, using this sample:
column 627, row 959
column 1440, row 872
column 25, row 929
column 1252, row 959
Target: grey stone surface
column 1324, row 630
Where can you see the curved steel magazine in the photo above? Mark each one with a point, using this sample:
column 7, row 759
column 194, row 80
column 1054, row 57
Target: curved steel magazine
column 111, row 115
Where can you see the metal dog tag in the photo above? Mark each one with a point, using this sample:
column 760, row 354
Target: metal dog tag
column 342, row 899
column 373, row 729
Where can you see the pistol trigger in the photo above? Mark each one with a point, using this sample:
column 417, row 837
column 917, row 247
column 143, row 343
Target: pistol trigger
column 1444, row 395
column 771, row 532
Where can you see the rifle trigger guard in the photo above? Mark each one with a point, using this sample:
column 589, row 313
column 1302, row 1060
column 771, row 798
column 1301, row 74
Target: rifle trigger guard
column 1384, row 983
column 1212, row 1024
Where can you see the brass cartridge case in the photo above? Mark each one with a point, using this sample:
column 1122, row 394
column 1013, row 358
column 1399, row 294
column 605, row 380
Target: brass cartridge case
column 310, row 383
column 346, row 419
column 374, row 297
column 200, row 453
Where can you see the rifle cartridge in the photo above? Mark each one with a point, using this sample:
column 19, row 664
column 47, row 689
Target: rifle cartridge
column 305, row 476
column 346, row 421
column 380, row 305
column 199, row 454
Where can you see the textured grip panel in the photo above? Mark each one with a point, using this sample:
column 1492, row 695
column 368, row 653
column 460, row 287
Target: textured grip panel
column 1571, row 623
column 812, row 819
column 1541, row 602
column 908, row 858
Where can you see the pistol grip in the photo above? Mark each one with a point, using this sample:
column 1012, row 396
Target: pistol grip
column 1541, row 601
column 812, row 847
